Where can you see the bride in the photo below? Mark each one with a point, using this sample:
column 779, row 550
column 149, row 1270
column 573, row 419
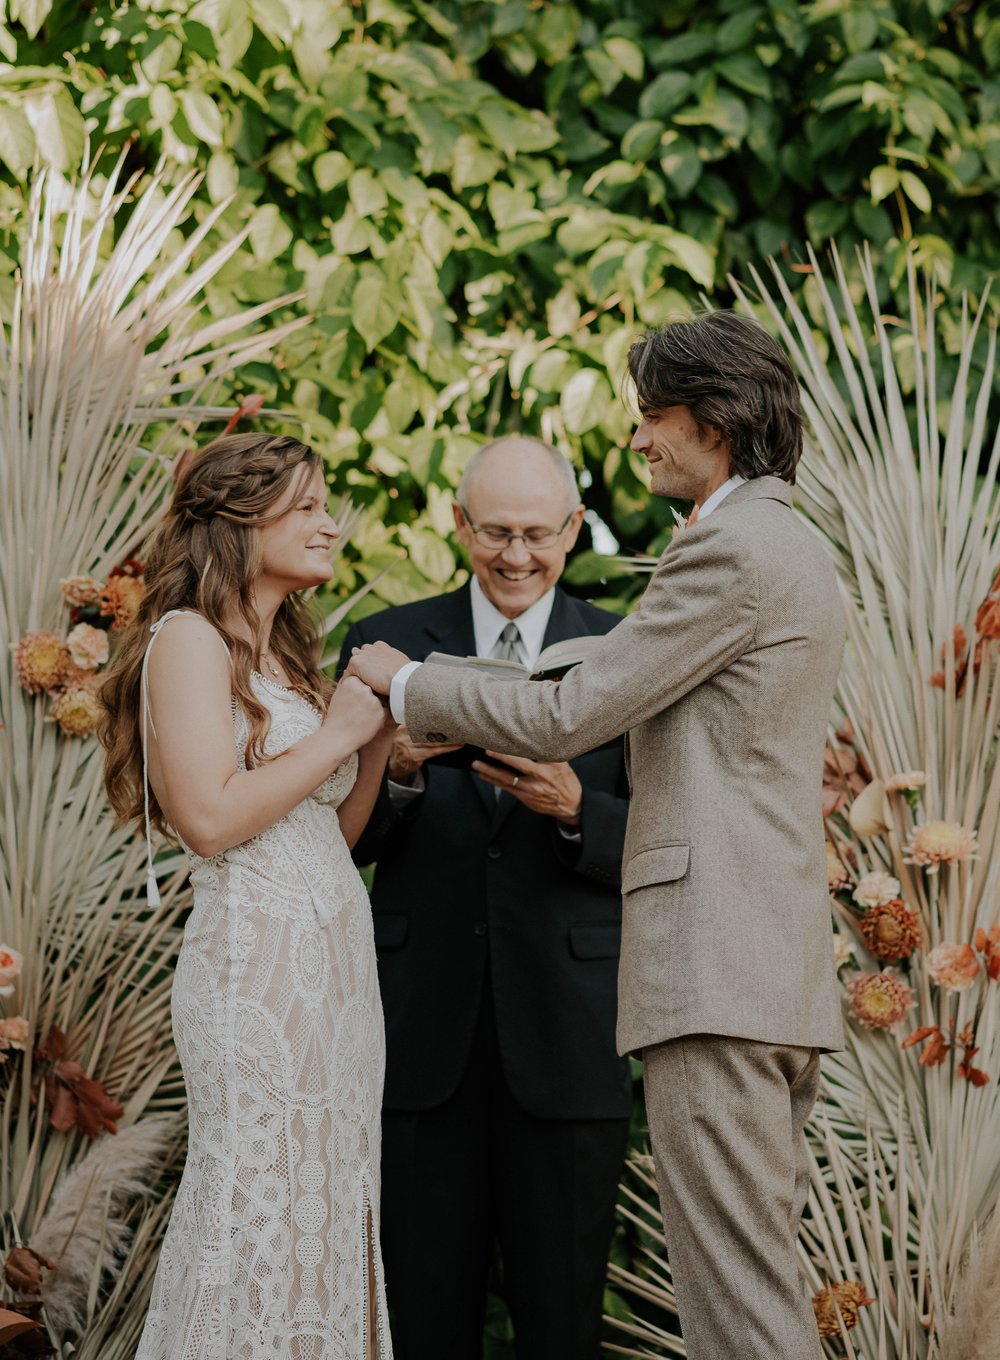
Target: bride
column 221, row 726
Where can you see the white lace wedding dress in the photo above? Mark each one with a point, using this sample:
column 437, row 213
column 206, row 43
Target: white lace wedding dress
column 272, row 1248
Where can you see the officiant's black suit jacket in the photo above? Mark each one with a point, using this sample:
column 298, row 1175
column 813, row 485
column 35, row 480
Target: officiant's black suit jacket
column 464, row 881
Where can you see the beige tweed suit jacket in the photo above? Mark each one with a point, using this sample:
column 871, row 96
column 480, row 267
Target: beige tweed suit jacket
column 723, row 677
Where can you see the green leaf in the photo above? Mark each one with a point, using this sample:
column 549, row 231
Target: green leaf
column 692, row 256
column 884, row 181
column 627, row 56
column 17, row 141
column 58, row 128
column 682, row 165
column 203, row 116
column 473, row 163
column 269, row 235
column 432, row 558
column 664, row 94
column 330, row 169
column 584, row 401
column 724, row 112
column 860, row 27
column 915, row 190
column 642, row 139
column 557, row 31
column 738, row 29
column 746, row 72
column 367, row 194
column 376, row 308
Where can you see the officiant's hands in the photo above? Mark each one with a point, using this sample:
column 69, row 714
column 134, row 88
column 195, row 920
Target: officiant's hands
column 376, row 663
column 407, row 755
column 546, row 786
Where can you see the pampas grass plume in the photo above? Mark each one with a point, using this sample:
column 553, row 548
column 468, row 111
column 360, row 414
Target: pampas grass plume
column 84, row 1227
column 972, row 1331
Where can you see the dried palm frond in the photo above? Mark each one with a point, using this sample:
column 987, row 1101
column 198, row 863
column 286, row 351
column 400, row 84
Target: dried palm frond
column 108, row 363
column 899, row 478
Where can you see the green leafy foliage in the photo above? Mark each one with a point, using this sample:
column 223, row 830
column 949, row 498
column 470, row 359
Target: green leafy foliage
column 481, row 201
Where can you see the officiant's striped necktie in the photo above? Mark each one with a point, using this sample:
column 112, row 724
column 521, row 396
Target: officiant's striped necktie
column 508, row 644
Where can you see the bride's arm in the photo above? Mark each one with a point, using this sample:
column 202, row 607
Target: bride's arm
column 210, row 803
column 356, row 808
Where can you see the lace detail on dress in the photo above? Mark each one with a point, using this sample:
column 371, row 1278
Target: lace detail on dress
column 278, row 1024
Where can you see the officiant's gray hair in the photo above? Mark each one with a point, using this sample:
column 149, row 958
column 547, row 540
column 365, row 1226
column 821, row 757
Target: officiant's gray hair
column 559, row 461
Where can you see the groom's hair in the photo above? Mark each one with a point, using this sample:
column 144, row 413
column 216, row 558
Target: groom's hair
column 729, row 373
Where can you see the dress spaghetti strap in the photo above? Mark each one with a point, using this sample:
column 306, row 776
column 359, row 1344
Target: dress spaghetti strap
column 152, row 890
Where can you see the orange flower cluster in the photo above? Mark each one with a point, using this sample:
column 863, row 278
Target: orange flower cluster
column 121, row 599
column 839, row 1303
column 938, row 1044
column 891, row 930
column 879, row 1000
column 67, row 668
column 988, row 628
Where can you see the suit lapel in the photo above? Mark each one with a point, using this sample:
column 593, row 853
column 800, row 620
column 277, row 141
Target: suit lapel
column 563, row 623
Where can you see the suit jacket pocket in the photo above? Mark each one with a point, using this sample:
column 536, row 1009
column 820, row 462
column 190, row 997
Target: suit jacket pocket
column 595, row 940
column 658, row 864
column 390, row 931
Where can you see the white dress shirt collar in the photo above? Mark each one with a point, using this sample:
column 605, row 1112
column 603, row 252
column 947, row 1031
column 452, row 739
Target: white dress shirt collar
column 719, row 495
column 488, row 623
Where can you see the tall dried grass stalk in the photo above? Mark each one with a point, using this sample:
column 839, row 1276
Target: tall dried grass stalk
column 899, row 478
column 108, row 363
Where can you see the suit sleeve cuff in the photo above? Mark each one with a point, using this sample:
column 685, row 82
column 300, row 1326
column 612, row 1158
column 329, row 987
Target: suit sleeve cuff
column 397, row 691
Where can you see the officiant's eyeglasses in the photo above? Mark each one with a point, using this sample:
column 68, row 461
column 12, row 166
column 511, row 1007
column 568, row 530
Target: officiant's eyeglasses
column 493, row 536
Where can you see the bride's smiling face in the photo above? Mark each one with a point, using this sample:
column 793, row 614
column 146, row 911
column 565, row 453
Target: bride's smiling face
column 297, row 537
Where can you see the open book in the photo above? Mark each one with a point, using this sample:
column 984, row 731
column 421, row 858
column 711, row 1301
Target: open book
column 552, row 663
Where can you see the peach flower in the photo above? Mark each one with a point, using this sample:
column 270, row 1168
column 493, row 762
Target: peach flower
column 935, row 843
column 81, row 591
column 891, row 931
column 953, row 966
column 121, row 599
column 879, row 1000
column 875, row 889
column 41, row 660
column 14, row 1032
column 11, row 963
column 88, row 646
column 77, row 710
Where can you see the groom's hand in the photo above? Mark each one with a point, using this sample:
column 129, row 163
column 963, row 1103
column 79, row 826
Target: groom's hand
column 376, row 663
column 546, row 786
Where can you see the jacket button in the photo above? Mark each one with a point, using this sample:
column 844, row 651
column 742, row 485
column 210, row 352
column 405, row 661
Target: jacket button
column 479, row 928
column 493, row 851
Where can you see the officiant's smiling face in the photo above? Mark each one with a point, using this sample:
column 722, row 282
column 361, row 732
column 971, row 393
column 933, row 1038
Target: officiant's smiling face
column 517, row 489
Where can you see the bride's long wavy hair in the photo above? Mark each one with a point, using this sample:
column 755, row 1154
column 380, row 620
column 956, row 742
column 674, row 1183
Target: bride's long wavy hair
column 206, row 556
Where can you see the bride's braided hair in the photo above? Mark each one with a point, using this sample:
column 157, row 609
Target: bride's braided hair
column 206, row 556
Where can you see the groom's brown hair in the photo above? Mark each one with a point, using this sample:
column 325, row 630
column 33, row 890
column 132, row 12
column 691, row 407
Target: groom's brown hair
column 729, row 373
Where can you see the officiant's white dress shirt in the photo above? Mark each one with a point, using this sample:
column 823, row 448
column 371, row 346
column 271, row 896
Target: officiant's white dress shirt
column 487, row 625
column 492, row 622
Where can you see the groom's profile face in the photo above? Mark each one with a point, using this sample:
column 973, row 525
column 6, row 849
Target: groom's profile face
column 518, row 491
column 686, row 460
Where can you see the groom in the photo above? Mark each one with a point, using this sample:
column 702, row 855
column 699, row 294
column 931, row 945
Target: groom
column 723, row 678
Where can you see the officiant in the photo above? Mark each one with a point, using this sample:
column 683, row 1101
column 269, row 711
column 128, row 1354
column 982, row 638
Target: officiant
column 497, row 914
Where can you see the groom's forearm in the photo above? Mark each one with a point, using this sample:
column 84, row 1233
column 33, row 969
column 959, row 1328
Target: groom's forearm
column 521, row 718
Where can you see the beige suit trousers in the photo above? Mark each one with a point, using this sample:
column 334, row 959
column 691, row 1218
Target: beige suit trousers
column 726, row 1120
